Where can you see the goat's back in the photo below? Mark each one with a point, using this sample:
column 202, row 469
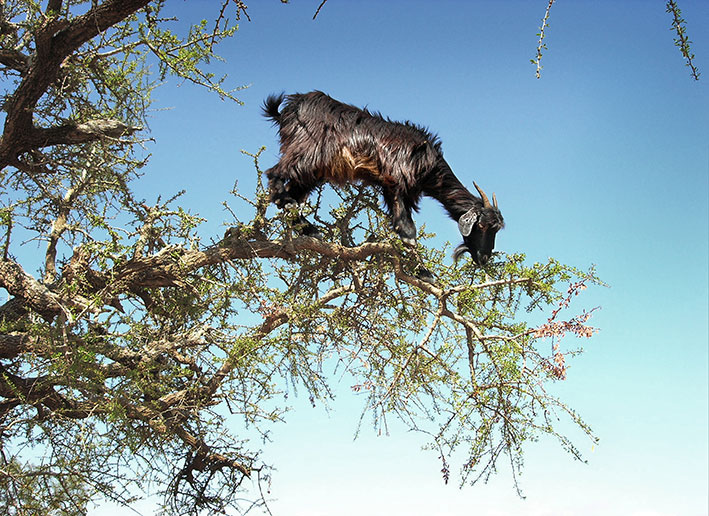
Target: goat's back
column 339, row 142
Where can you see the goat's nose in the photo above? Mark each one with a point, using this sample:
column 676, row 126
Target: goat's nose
column 482, row 258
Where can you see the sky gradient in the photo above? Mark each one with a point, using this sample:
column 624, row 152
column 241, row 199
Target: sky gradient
column 604, row 161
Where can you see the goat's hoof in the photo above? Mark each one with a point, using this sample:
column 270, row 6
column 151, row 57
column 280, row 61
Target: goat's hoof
column 409, row 242
column 313, row 232
column 232, row 232
column 424, row 274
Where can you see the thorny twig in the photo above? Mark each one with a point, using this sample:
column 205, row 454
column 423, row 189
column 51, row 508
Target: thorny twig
column 542, row 45
column 682, row 41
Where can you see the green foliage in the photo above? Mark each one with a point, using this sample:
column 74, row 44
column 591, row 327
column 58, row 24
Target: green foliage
column 452, row 358
column 455, row 351
column 139, row 355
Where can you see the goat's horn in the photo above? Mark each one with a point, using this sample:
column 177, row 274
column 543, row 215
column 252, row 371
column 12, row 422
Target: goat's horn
column 494, row 200
column 486, row 201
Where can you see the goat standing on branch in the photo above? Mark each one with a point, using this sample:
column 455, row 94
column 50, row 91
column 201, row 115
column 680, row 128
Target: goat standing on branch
column 323, row 140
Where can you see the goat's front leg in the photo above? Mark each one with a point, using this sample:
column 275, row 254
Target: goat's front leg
column 277, row 189
column 406, row 229
column 402, row 222
column 285, row 195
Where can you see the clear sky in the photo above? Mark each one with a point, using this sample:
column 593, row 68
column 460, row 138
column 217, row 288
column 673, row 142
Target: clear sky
column 605, row 161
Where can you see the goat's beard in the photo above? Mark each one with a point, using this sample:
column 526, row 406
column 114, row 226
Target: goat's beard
column 460, row 250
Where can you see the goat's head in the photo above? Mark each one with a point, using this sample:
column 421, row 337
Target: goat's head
column 479, row 225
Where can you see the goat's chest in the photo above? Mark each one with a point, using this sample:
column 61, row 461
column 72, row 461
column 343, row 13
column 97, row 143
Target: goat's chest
column 348, row 167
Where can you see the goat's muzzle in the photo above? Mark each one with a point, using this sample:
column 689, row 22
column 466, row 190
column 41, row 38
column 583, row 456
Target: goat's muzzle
column 479, row 257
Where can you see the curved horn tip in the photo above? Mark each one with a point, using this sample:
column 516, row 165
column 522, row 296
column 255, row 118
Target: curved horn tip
column 494, row 200
column 486, row 201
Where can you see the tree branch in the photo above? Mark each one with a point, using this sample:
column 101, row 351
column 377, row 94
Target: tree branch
column 682, row 41
column 541, row 45
column 35, row 295
column 55, row 40
column 14, row 59
column 80, row 133
column 35, row 391
column 319, row 7
column 12, row 344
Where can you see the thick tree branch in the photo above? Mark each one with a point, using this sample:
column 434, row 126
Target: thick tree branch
column 35, row 295
column 170, row 266
column 13, row 310
column 14, row 59
column 12, row 344
column 87, row 132
column 34, row 391
column 55, row 40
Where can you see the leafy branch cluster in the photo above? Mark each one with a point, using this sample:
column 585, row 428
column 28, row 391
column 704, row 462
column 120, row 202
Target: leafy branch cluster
column 124, row 364
column 132, row 353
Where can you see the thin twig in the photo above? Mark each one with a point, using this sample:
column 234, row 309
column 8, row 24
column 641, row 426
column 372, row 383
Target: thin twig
column 542, row 45
column 319, row 7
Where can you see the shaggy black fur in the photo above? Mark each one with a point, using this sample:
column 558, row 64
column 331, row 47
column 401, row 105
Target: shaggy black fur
column 323, row 140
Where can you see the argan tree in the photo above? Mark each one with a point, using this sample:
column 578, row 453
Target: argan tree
column 133, row 340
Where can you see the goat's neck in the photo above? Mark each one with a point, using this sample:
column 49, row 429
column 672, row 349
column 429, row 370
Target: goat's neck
column 446, row 188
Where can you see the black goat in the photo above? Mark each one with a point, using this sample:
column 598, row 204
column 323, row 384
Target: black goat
column 323, row 140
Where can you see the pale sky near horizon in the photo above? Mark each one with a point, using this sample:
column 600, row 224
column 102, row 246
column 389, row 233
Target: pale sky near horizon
column 604, row 161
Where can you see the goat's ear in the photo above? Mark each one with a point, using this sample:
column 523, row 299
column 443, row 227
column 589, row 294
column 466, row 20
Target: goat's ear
column 467, row 221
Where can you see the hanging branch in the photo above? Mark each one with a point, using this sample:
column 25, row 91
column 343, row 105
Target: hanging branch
column 682, row 41
column 541, row 45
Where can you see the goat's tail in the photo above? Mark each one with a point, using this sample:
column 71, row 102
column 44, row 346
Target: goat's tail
column 271, row 105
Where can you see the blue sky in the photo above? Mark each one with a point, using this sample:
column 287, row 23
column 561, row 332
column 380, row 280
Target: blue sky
column 604, row 161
